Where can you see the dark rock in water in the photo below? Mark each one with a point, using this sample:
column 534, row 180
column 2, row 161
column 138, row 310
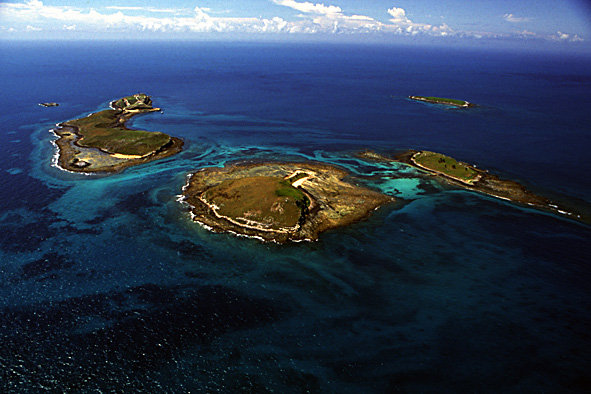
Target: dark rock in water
column 49, row 104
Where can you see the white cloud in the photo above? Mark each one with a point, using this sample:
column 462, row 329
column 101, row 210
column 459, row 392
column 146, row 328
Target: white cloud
column 328, row 18
column 310, row 7
column 515, row 19
column 401, row 24
column 69, row 27
column 560, row 36
column 315, row 18
column 33, row 28
column 527, row 33
column 321, row 18
column 398, row 15
column 212, row 11
column 196, row 21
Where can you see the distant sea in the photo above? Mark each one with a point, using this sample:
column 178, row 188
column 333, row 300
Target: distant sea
column 106, row 284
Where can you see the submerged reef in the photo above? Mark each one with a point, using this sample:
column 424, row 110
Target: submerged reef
column 467, row 176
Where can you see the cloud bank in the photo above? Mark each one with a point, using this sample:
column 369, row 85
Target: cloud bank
column 313, row 18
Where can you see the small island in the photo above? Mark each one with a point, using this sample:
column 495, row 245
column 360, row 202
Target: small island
column 470, row 177
column 100, row 142
column 443, row 101
column 49, row 104
column 277, row 201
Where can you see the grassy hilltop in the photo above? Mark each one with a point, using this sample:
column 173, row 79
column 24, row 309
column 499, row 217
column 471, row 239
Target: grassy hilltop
column 446, row 165
column 105, row 130
column 270, row 201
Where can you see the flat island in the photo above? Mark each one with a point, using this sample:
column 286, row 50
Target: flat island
column 443, row 101
column 277, row 201
column 100, row 142
column 469, row 177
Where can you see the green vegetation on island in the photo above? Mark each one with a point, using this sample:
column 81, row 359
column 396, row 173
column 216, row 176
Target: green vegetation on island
column 442, row 100
column 104, row 130
column 297, row 176
column 277, row 201
column 286, row 189
column 447, row 166
column 453, row 172
column 270, row 201
column 100, row 142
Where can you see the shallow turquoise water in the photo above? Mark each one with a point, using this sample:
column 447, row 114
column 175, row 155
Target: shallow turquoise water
column 107, row 284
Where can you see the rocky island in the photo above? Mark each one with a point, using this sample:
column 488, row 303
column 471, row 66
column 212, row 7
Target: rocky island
column 100, row 142
column 277, row 201
column 470, row 177
column 49, row 104
column 443, row 101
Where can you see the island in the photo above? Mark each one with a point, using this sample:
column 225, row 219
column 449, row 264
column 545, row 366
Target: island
column 443, row 101
column 100, row 142
column 49, row 104
column 470, row 177
column 276, row 201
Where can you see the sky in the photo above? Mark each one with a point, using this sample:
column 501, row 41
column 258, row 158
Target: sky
column 562, row 23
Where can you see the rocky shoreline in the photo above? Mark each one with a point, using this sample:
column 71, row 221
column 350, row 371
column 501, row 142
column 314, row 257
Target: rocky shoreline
column 69, row 154
column 331, row 201
column 74, row 157
column 485, row 183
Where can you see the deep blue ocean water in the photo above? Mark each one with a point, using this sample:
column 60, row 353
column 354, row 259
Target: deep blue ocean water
column 106, row 284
